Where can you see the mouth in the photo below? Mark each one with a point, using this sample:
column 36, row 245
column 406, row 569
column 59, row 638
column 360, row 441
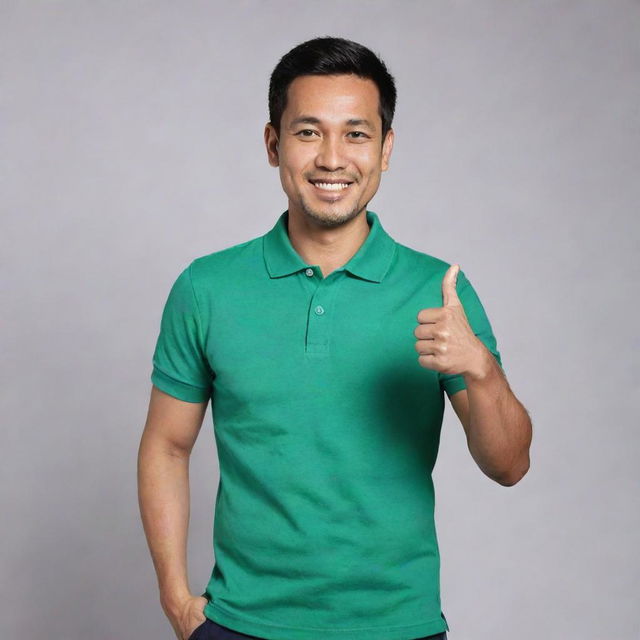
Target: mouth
column 331, row 187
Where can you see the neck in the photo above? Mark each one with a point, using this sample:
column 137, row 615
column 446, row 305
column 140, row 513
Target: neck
column 328, row 247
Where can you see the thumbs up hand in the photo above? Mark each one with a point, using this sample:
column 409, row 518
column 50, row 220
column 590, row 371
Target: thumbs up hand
column 445, row 341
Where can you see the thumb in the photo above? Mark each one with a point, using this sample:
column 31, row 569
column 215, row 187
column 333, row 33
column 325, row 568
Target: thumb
column 449, row 293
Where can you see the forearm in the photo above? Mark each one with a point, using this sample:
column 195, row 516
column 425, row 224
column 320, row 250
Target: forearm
column 499, row 433
column 163, row 493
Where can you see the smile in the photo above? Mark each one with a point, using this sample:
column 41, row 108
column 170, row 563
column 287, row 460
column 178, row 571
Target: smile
column 331, row 186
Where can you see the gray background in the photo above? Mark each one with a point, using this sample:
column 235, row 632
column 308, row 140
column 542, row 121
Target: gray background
column 132, row 143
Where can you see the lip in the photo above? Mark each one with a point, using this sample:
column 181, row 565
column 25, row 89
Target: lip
column 330, row 196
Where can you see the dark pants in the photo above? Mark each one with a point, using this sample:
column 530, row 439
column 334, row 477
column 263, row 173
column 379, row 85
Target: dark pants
column 210, row 630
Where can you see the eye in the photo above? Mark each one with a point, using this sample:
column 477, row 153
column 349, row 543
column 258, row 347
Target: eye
column 305, row 131
column 360, row 134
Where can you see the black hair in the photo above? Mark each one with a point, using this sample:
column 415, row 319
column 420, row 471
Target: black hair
column 329, row 56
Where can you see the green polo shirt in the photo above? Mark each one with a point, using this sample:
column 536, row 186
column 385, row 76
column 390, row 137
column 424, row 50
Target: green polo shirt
column 327, row 430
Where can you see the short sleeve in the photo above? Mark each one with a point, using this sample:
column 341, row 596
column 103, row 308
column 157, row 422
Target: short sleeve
column 180, row 366
column 481, row 327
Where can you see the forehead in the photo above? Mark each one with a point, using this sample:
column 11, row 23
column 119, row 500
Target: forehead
column 335, row 97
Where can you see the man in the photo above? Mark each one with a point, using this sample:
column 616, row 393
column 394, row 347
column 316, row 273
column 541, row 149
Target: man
column 325, row 348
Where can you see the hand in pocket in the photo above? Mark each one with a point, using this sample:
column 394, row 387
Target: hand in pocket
column 191, row 616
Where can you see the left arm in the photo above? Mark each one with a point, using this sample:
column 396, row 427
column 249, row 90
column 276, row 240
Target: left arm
column 497, row 425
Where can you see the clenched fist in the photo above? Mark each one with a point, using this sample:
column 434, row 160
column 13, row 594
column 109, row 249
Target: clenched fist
column 446, row 342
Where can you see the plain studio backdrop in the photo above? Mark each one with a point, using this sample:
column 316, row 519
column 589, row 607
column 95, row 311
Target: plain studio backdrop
column 132, row 142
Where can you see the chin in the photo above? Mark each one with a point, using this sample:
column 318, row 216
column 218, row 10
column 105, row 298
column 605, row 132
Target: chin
column 329, row 217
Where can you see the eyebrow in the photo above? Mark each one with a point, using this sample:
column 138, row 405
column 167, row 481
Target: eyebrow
column 355, row 122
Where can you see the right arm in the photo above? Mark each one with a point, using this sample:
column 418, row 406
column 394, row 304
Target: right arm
column 170, row 432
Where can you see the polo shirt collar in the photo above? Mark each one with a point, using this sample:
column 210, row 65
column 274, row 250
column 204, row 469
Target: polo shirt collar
column 371, row 261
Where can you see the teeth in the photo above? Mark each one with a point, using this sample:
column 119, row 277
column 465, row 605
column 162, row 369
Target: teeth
column 331, row 187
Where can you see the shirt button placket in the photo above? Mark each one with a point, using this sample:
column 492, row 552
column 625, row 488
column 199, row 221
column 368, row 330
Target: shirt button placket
column 317, row 339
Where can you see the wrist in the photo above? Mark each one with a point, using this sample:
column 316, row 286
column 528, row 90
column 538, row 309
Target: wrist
column 483, row 366
column 173, row 600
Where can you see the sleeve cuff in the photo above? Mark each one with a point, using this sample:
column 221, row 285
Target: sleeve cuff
column 178, row 389
column 453, row 385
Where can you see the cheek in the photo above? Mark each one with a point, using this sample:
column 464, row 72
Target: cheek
column 291, row 179
column 372, row 176
column 369, row 166
column 295, row 170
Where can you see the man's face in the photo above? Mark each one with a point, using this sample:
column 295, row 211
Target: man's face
column 317, row 142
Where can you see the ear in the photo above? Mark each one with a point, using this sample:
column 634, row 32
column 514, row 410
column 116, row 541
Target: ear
column 387, row 146
column 271, row 142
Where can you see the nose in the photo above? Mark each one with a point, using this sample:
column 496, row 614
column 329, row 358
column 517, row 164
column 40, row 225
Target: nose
column 330, row 155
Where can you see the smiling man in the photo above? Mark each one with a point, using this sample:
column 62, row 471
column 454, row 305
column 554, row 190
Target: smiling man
column 326, row 349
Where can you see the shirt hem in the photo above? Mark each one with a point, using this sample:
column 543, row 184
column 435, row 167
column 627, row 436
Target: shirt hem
column 270, row 631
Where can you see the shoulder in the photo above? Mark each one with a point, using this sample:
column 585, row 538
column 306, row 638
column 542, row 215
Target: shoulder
column 420, row 262
column 232, row 260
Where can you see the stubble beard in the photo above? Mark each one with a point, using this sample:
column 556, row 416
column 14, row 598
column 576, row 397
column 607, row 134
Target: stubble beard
column 330, row 219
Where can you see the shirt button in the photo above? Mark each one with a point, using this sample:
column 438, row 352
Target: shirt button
column 319, row 310
column 309, row 271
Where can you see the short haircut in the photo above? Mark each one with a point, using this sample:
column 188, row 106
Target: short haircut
column 331, row 56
